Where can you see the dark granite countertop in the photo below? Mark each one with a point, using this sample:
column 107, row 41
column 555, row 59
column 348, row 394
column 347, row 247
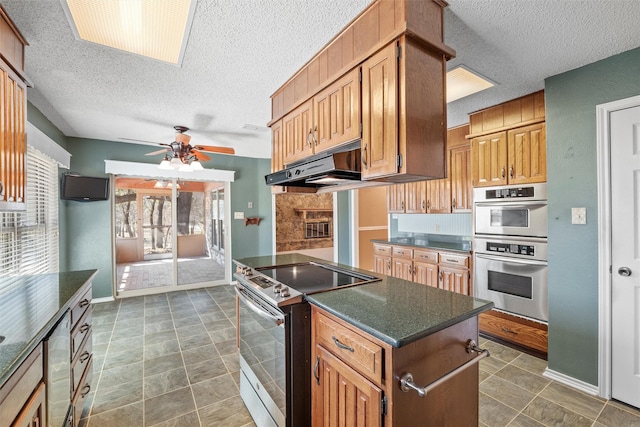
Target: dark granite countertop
column 394, row 310
column 397, row 311
column 29, row 307
column 457, row 246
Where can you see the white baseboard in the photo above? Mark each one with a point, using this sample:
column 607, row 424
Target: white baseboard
column 103, row 299
column 571, row 382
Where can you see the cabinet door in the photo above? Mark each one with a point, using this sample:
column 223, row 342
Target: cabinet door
column 460, row 176
column 341, row 396
column 297, row 133
column 425, row 273
column 337, row 113
column 395, row 198
column 34, row 412
column 489, row 160
column 382, row 264
column 277, row 147
column 527, row 154
column 415, row 194
column 438, row 196
column 402, row 268
column 379, row 114
column 454, row 280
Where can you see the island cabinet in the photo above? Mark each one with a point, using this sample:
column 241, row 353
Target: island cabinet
column 22, row 396
column 356, row 376
column 508, row 143
column 81, row 352
column 13, row 98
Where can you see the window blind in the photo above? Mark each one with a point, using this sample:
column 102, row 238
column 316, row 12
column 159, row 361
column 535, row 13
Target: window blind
column 29, row 239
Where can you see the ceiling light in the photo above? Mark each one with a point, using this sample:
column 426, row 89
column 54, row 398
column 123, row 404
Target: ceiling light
column 165, row 164
column 176, row 163
column 185, row 167
column 462, row 81
column 196, row 165
column 152, row 28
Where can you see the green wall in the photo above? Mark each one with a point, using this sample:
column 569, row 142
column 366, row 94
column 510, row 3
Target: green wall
column 571, row 100
column 88, row 225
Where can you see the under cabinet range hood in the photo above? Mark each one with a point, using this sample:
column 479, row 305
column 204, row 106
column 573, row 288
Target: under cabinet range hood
column 321, row 170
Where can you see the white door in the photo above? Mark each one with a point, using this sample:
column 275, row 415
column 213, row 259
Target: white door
column 625, row 255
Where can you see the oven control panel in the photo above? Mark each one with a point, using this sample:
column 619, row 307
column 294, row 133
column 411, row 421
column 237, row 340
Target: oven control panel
column 508, row 193
column 509, row 248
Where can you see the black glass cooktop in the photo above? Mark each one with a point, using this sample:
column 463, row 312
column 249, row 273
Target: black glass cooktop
column 310, row 278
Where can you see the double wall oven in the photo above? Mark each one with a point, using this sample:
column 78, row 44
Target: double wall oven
column 510, row 248
column 274, row 335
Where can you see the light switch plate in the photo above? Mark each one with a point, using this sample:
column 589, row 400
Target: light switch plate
column 238, row 215
column 578, row 215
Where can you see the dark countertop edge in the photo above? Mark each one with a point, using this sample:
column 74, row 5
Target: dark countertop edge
column 430, row 246
column 406, row 340
column 31, row 345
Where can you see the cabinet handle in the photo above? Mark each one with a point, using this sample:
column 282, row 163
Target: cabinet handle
column 84, row 328
column 440, row 276
column 503, row 172
column 402, row 205
column 1, row 189
column 509, row 331
column 389, row 265
column 313, row 136
column 364, row 157
column 85, row 356
column 424, row 206
column 342, row 346
column 453, row 203
column 511, row 171
column 309, row 138
column 84, row 303
column 86, row 387
column 316, row 370
column 407, row 384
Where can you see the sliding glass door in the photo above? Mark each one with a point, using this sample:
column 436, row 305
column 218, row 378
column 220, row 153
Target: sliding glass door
column 165, row 237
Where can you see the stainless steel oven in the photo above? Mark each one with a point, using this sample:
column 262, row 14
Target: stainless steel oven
column 512, row 272
column 511, row 211
column 510, row 248
column 274, row 336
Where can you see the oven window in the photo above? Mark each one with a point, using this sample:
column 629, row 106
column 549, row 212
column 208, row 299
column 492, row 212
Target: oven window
column 510, row 217
column 511, row 284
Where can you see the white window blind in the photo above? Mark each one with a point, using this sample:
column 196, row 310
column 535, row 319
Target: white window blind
column 29, row 239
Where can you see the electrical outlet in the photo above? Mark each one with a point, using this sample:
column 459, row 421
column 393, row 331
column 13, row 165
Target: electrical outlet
column 578, row 215
column 437, row 228
column 250, row 205
column 238, row 215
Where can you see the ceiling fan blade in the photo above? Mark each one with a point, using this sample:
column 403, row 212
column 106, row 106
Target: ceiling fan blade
column 164, row 150
column 200, row 156
column 211, row 149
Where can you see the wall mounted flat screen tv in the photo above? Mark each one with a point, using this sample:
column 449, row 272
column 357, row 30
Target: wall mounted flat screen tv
column 84, row 188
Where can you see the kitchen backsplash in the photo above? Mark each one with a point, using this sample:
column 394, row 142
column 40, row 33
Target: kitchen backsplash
column 449, row 224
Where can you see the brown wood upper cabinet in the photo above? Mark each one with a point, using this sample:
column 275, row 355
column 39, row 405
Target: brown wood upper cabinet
column 13, row 98
column 511, row 148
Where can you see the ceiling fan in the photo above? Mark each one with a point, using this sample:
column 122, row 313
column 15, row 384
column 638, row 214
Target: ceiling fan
column 181, row 155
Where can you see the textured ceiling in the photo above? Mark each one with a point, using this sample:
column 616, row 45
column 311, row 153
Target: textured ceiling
column 240, row 51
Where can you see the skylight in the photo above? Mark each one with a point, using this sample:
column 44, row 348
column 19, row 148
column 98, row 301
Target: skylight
column 461, row 82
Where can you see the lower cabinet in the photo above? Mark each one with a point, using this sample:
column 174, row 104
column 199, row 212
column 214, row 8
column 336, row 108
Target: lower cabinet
column 356, row 377
column 34, row 414
column 81, row 353
column 22, row 396
column 527, row 334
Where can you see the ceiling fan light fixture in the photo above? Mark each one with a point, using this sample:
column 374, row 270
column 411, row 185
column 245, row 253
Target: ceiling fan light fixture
column 196, row 165
column 165, row 164
column 185, row 167
column 176, row 163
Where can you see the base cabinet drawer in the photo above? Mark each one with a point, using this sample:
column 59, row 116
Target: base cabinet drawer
column 82, row 394
column 515, row 330
column 80, row 364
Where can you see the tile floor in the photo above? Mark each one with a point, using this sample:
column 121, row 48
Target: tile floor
column 170, row 360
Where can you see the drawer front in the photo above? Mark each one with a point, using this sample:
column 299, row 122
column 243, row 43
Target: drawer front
column 80, row 364
column 382, row 250
column 82, row 393
column 515, row 332
column 80, row 307
column 80, row 332
column 425, row 256
column 355, row 350
column 454, row 259
column 401, row 252
column 16, row 391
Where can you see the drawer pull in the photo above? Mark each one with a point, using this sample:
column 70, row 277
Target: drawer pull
column 85, row 356
column 316, row 370
column 509, row 331
column 342, row 346
column 84, row 303
column 86, row 387
column 451, row 260
column 407, row 384
column 84, row 328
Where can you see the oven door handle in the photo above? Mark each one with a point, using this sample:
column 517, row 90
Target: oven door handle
column 508, row 260
column 279, row 320
column 517, row 205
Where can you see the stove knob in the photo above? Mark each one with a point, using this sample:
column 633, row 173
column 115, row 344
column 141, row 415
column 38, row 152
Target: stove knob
column 277, row 288
column 285, row 292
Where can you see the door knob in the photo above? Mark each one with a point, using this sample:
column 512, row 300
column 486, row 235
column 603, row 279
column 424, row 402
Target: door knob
column 624, row 271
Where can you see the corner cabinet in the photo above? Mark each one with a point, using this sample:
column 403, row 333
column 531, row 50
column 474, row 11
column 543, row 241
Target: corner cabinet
column 13, row 96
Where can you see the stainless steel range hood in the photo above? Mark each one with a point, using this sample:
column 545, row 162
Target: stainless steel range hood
column 321, row 170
